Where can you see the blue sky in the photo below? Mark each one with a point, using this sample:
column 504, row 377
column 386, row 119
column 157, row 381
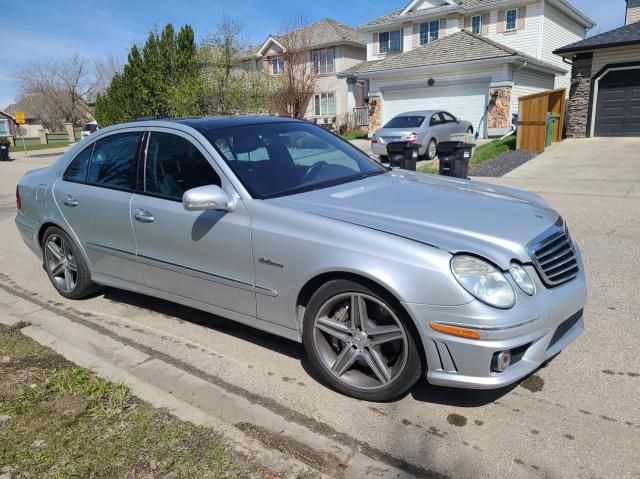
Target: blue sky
column 45, row 29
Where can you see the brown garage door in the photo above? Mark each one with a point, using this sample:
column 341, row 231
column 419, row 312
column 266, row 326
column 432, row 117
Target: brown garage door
column 618, row 107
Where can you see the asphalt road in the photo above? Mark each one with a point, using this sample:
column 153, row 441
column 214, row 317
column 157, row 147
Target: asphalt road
column 577, row 417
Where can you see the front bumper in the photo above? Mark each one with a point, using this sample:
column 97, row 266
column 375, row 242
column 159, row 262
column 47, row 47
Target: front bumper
column 534, row 330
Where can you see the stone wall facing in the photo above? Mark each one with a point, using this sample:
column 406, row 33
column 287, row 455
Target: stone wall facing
column 579, row 95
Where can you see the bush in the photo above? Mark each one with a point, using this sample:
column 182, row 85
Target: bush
column 355, row 135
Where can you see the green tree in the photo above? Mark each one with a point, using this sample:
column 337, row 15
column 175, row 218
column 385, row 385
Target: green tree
column 160, row 79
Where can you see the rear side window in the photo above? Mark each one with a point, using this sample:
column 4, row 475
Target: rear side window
column 175, row 165
column 405, row 122
column 77, row 170
column 112, row 164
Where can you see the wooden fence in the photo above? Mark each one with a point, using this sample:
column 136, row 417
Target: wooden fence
column 532, row 118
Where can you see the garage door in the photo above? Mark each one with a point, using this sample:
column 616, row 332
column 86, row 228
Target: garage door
column 467, row 102
column 618, row 105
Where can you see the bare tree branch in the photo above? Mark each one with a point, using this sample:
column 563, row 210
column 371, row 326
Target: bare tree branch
column 299, row 76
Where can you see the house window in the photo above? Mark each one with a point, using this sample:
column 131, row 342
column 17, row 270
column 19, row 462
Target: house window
column 429, row 31
column 390, row 41
column 324, row 104
column 476, row 25
column 277, row 64
column 4, row 127
column 511, row 20
column 323, row 60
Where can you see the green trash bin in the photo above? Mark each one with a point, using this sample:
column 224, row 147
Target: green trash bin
column 552, row 118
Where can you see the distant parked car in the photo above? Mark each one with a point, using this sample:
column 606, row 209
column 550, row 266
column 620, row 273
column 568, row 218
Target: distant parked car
column 427, row 128
column 89, row 128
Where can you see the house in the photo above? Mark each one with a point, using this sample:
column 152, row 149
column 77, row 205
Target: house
column 7, row 124
column 335, row 48
column 33, row 125
column 605, row 81
column 473, row 58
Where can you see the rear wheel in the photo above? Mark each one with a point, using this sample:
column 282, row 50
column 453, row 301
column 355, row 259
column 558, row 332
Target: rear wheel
column 359, row 342
column 65, row 265
column 432, row 149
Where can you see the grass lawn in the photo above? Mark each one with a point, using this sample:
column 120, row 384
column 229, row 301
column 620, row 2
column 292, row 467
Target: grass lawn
column 491, row 150
column 18, row 148
column 62, row 421
column 355, row 135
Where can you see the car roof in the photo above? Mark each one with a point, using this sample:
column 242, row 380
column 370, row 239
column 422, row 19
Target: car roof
column 419, row 113
column 215, row 122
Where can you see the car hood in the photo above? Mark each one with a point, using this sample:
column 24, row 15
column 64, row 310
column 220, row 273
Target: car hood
column 452, row 214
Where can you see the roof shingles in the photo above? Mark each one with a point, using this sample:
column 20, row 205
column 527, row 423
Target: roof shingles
column 459, row 47
column 627, row 35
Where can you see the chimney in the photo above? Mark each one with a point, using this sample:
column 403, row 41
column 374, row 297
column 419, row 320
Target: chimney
column 633, row 12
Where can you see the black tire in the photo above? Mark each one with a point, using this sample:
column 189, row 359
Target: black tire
column 83, row 286
column 384, row 159
column 405, row 378
column 428, row 155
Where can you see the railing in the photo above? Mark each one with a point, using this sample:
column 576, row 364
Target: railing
column 361, row 116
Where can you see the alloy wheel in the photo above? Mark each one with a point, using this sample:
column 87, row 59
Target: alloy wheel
column 432, row 149
column 360, row 341
column 61, row 263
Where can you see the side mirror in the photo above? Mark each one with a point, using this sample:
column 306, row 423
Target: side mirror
column 210, row 197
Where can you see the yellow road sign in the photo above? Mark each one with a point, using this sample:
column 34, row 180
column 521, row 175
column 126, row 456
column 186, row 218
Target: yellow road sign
column 20, row 119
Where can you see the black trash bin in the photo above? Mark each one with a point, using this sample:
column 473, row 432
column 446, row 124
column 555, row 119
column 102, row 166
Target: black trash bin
column 4, row 150
column 403, row 154
column 454, row 158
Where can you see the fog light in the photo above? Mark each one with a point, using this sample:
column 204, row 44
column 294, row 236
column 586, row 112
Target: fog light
column 501, row 361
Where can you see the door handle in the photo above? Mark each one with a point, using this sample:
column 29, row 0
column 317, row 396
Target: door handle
column 143, row 216
column 69, row 200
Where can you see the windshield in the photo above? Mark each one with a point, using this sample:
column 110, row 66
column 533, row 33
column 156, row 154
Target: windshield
column 405, row 122
column 279, row 159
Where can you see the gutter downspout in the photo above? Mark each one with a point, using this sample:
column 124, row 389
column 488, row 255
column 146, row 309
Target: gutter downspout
column 513, row 127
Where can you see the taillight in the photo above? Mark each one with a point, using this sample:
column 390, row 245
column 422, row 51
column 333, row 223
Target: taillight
column 18, row 201
column 412, row 138
column 374, row 139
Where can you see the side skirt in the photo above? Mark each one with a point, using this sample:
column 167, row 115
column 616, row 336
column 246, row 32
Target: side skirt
column 292, row 334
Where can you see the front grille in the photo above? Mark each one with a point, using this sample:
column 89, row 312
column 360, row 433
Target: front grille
column 565, row 327
column 553, row 255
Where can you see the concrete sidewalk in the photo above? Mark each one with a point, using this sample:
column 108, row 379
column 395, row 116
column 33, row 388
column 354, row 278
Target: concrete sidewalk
column 589, row 166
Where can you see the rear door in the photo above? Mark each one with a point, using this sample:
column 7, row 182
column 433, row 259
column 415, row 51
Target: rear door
column 205, row 256
column 94, row 197
column 438, row 128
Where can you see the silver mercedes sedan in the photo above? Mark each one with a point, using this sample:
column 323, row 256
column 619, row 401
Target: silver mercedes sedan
column 386, row 276
column 426, row 128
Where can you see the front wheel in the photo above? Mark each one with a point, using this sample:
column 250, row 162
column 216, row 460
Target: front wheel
column 359, row 342
column 432, row 149
column 65, row 265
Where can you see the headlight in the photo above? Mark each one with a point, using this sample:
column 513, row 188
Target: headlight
column 522, row 279
column 483, row 281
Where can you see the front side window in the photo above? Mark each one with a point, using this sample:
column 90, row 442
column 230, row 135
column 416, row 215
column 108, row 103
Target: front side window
column 113, row 160
column 174, row 165
column 79, row 167
column 511, row 19
column 448, row 117
column 429, row 31
column 476, row 25
column 437, row 119
column 390, row 42
column 277, row 64
column 324, row 104
column 285, row 158
column 323, row 60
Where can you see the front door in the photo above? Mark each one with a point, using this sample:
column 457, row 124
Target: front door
column 94, row 196
column 201, row 255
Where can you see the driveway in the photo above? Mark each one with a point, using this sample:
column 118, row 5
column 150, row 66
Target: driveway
column 577, row 417
column 589, row 166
